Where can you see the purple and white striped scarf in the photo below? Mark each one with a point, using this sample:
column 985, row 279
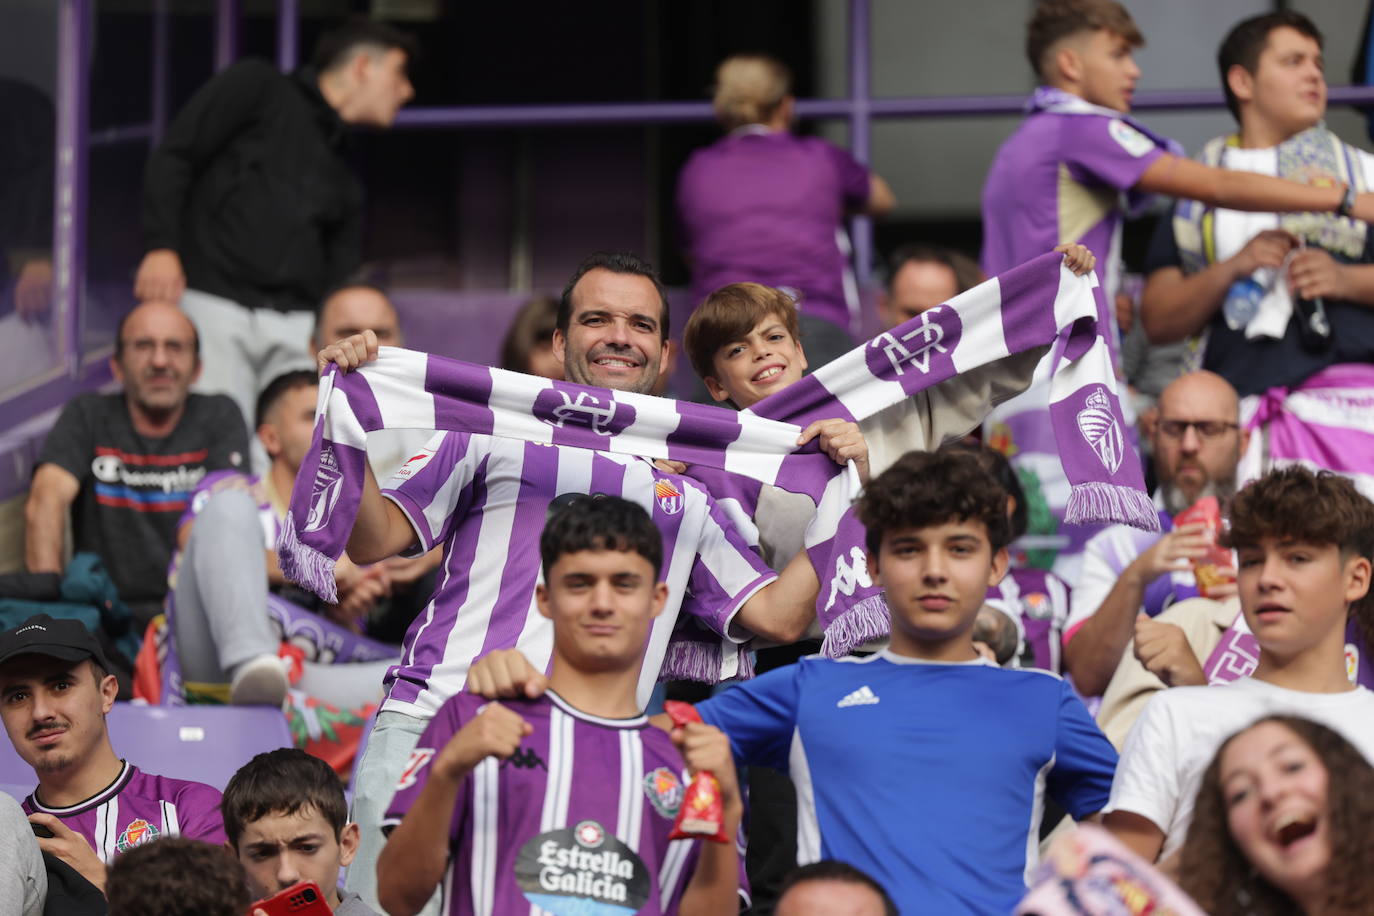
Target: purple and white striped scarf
column 1327, row 422
column 1035, row 305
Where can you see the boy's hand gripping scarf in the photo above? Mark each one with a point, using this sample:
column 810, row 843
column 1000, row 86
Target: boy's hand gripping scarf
column 1035, row 305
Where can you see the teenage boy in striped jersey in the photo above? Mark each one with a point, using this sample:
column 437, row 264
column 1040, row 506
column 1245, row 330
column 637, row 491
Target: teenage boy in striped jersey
column 566, row 800
column 55, row 691
column 924, row 764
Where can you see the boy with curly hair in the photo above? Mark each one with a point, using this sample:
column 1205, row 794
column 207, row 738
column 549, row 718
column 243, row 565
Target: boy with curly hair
column 1304, row 542
column 864, row 739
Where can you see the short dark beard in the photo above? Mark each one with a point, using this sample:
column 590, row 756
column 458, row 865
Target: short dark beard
column 52, row 763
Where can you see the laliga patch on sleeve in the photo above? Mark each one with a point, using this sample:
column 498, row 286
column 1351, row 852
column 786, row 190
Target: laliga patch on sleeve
column 414, row 464
column 419, row 758
column 582, row 871
column 1129, row 139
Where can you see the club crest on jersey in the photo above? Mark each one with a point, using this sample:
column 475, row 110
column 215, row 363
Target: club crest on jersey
column 1352, row 662
column 904, row 354
column 664, row 790
column 1100, row 429
column 668, row 495
column 419, row 758
column 137, row 833
column 1036, row 605
column 582, row 871
column 602, row 415
column 325, row 491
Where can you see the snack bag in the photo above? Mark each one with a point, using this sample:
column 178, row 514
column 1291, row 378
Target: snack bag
column 702, row 814
column 1207, row 568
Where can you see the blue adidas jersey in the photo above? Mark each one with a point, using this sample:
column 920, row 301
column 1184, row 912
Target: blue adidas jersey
column 930, row 777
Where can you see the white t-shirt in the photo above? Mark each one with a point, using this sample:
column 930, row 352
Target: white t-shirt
column 1175, row 738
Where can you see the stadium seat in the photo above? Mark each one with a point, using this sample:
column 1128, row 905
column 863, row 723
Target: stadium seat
column 204, row 743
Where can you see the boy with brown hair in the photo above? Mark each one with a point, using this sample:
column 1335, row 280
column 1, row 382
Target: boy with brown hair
column 1305, row 543
column 745, row 344
column 286, row 821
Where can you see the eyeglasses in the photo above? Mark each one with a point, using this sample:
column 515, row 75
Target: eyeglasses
column 1206, row 429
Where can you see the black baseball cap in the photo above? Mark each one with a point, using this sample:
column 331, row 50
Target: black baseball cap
column 42, row 634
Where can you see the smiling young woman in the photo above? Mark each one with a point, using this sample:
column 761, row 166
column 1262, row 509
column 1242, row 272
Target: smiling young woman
column 1284, row 823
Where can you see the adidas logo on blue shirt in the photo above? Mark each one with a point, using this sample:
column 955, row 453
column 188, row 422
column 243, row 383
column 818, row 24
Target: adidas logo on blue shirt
column 864, row 696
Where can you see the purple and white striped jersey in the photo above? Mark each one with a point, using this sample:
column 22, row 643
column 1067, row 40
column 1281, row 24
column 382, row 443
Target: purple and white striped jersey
column 138, row 808
column 575, row 821
column 485, row 500
column 1040, row 601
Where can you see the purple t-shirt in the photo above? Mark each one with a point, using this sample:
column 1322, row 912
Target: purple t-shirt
column 138, row 808
column 1059, row 178
column 485, row 499
column 765, row 207
column 575, row 821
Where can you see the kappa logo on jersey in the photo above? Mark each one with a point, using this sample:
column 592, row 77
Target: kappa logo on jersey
column 669, row 496
column 849, row 576
column 1128, row 138
column 414, row 464
column 904, row 353
column 1098, row 425
column 137, row 833
column 664, row 790
column 419, row 759
column 602, row 415
column 325, row 492
column 864, row 696
column 524, row 759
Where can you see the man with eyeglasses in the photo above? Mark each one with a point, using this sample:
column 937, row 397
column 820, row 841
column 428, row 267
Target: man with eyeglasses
column 121, row 467
column 1130, row 576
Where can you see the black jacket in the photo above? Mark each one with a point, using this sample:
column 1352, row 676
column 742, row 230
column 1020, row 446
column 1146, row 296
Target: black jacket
column 249, row 186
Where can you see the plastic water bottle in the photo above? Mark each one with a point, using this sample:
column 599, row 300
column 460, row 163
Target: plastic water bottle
column 1242, row 302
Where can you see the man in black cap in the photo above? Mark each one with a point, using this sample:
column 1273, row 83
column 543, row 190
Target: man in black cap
column 55, row 691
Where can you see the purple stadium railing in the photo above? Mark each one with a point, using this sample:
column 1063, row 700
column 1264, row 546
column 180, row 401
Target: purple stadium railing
column 74, row 139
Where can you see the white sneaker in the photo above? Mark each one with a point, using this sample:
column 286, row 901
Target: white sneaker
column 259, row 681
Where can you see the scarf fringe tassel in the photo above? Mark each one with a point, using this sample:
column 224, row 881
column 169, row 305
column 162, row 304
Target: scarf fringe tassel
column 1097, row 502
column 303, row 564
column 866, row 621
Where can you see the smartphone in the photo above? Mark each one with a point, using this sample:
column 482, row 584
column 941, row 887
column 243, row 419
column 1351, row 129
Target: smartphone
column 40, row 831
column 303, row 899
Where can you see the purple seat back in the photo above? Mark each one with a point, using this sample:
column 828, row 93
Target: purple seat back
column 204, row 743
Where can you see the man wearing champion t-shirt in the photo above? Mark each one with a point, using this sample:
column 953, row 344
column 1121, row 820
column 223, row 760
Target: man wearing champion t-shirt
column 566, row 802
column 484, row 499
column 55, row 690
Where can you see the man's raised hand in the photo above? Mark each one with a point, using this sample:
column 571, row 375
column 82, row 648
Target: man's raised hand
column 1077, row 258
column 349, row 353
column 842, row 441
column 705, row 747
column 504, row 674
